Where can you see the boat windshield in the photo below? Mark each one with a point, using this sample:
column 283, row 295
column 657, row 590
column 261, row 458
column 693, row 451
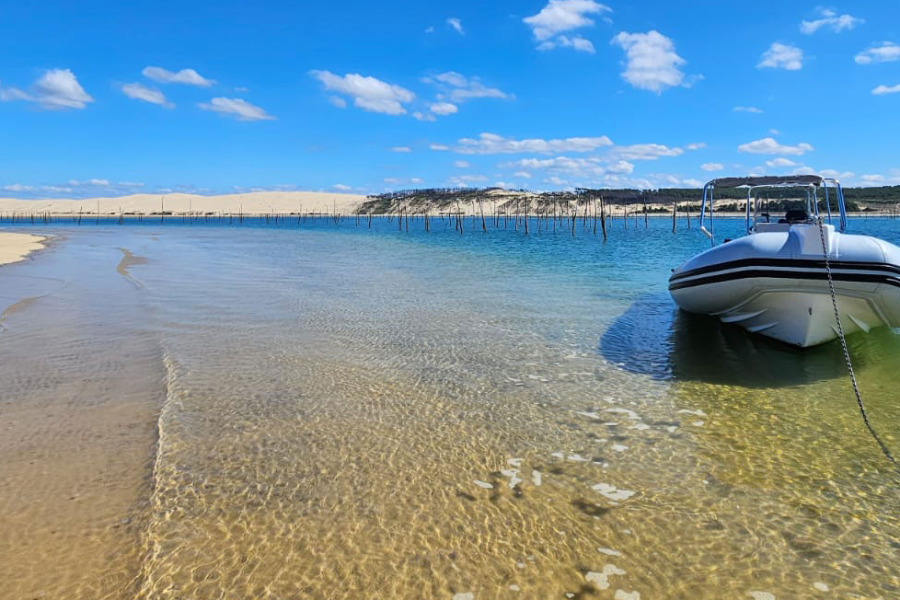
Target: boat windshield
column 759, row 217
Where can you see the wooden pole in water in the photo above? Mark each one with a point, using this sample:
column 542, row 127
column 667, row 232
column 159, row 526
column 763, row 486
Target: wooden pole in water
column 674, row 214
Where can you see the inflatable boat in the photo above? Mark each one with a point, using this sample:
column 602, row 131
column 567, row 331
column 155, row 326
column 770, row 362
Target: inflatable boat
column 775, row 279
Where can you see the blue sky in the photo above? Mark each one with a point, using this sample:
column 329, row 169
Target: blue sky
column 100, row 98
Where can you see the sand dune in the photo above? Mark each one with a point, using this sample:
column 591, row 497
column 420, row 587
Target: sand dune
column 249, row 203
column 16, row 246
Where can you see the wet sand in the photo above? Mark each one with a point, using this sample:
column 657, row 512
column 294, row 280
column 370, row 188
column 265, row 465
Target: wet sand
column 16, row 246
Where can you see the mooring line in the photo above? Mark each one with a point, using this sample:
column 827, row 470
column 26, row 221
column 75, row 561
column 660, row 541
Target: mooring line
column 840, row 331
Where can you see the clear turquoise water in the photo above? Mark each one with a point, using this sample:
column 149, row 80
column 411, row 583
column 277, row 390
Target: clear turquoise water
column 384, row 413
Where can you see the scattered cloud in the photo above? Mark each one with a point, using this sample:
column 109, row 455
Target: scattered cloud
column 645, row 151
column 781, row 162
column 341, row 187
column 54, row 90
column 138, row 91
column 554, row 180
column 429, row 29
column 885, row 52
column 463, row 180
column 368, row 93
column 456, row 24
column 439, row 147
column 696, row 146
column 420, row 116
column 770, row 146
column 461, row 164
column 774, row 132
column 579, row 167
column 443, row 108
column 559, row 16
column 391, row 180
column 337, row 101
column 17, row 187
column 456, row 87
column 523, row 174
column 830, row 19
column 883, row 89
column 490, row 143
column 404, row 149
column 696, row 183
column 185, row 76
column 781, row 56
column 237, row 108
column 712, row 166
column 563, row 41
column 651, row 61
column 748, row 109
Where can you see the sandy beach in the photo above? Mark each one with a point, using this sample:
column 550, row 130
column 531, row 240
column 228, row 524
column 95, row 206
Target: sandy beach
column 253, row 203
column 16, row 246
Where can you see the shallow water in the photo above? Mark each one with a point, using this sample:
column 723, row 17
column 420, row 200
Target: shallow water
column 262, row 411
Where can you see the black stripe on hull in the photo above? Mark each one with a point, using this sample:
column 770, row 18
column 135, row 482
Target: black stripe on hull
column 790, row 264
column 773, row 274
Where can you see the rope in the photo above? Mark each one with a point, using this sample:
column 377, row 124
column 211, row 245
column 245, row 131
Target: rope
column 840, row 331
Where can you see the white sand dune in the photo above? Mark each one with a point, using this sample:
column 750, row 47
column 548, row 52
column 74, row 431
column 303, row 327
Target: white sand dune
column 253, row 203
column 16, row 246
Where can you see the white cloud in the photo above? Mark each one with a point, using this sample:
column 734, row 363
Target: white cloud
column 462, row 180
column 235, row 107
column 18, row 187
column 400, row 149
column 391, row 180
column 873, row 179
column 563, row 41
column 774, row 132
column 652, row 63
column 781, row 162
column 458, row 88
column 141, row 92
column 579, row 167
column 563, row 15
column 692, row 183
column 782, row 56
column 748, row 109
column 712, row 166
column 420, row 116
column 439, row 147
column 55, row 89
column 368, row 93
column 461, row 164
column 337, row 101
column 554, row 180
column 886, row 52
column 443, row 108
column 770, row 146
column 523, row 174
column 342, row 187
column 456, row 24
column 490, row 143
column 415, row 180
column 696, row 146
column 429, row 29
column 883, row 89
column 829, row 18
column 645, row 151
column 185, row 76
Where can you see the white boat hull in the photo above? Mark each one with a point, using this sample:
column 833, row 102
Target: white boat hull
column 775, row 285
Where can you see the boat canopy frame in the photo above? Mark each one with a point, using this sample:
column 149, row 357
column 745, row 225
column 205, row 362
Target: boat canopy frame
column 810, row 183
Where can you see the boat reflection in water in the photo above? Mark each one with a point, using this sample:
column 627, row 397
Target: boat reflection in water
column 653, row 337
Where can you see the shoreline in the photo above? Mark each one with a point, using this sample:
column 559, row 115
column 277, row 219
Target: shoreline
column 16, row 247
